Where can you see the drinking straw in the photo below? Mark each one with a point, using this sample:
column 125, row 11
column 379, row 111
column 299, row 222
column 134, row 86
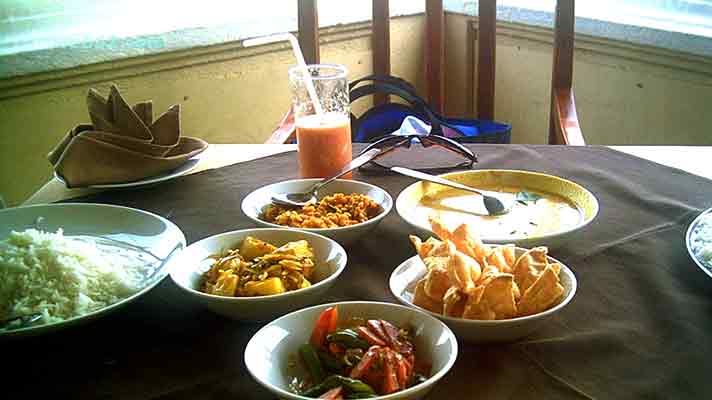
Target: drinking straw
column 300, row 62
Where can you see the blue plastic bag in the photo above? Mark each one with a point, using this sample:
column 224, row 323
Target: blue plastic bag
column 388, row 118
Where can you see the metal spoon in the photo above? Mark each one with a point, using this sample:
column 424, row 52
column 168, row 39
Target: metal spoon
column 300, row 199
column 496, row 203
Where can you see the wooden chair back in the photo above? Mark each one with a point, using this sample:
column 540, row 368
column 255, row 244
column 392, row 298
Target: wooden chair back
column 563, row 122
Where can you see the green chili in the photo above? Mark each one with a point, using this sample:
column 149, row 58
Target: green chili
column 352, row 386
column 330, row 362
column 360, row 396
column 348, row 339
column 311, row 359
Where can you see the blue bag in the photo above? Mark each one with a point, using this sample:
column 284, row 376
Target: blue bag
column 387, row 118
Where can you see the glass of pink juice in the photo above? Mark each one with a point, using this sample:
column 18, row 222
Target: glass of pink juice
column 323, row 139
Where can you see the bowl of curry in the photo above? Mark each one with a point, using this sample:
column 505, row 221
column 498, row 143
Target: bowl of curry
column 548, row 209
column 258, row 274
column 346, row 210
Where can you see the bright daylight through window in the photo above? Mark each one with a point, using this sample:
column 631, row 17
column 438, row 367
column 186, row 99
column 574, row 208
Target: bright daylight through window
column 685, row 16
column 27, row 25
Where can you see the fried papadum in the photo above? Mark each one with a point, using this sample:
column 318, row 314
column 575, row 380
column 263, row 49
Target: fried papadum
column 469, row 279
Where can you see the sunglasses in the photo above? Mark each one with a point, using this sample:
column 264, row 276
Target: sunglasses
column 388, row 143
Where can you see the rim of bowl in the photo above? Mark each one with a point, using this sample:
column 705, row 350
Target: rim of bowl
column 688, row 241
column 452, row 357
column 581, row 225
column 378, row 217
column 315, row 286
column 563, row 303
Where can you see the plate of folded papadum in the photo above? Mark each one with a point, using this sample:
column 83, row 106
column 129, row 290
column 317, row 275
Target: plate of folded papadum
column 484, row 293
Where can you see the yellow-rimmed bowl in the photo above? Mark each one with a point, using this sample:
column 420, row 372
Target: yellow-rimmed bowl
column 582, row 199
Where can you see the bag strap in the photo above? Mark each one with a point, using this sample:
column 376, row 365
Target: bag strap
column 391, row 80
column 417, row 103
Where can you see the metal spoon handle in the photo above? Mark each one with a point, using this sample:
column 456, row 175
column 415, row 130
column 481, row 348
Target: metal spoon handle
column 355, row 163
column 433, row 178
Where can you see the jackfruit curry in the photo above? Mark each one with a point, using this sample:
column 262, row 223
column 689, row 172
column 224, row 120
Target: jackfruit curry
column 258, row 268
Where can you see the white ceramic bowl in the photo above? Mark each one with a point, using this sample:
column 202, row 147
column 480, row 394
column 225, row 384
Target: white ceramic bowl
column 406, row 276
column 268, row 352
column 187, row 268
column 255, row 202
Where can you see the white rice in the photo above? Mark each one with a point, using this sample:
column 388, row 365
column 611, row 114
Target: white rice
column 61, row 278
column 701, row 240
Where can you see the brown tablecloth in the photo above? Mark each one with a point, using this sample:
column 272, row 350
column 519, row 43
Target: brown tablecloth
column 639, row 326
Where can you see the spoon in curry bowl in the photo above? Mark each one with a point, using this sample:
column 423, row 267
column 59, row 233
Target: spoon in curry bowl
column 496, row 203
column 300, row 199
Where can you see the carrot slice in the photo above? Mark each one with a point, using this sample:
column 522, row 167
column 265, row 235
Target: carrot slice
column 333, row 320
column 390, row 379
column 366, row 335
column 401, row 346
column 326, row 320
column 390, row 330
column 376, row 327
column 408, row 368
column 402, row 373
column 364, row 364
column 333, row 394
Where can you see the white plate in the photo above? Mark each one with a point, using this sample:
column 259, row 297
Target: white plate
column 406, row 276
column 166, row 176
column 148, row 231
column 692, row 235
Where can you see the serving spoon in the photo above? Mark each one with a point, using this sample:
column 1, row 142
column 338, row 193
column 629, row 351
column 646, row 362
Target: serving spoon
column 300, row 199
column 496, row 203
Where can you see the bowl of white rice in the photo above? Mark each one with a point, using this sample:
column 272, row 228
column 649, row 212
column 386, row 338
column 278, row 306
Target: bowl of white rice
column 69, row 263
column 699, row 241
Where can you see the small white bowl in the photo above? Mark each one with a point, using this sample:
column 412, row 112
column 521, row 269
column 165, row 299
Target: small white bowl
column 187, row 268
column 406, row 276
column 254, row 203
column 268, row 352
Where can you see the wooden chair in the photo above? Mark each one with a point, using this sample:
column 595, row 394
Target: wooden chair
column 563, row 122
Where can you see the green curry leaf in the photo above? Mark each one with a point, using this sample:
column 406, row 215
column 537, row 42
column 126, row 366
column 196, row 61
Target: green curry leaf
column 524, row 197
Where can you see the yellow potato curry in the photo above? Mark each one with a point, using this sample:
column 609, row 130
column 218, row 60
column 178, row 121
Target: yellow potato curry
column 258, row 268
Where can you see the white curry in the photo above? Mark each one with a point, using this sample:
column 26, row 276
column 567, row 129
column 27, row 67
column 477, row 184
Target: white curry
column 549, row 214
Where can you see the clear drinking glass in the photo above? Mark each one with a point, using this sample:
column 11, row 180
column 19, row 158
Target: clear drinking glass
column 323, row 139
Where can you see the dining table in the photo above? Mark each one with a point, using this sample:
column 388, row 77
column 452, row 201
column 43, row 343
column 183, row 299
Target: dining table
column 639, row 326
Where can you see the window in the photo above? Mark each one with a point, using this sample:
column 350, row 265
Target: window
column 35, row 25
column 684, row 16
column 27, row 25
column 678, row 25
